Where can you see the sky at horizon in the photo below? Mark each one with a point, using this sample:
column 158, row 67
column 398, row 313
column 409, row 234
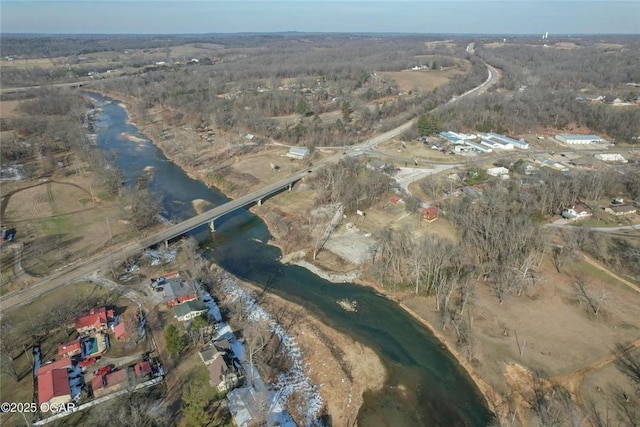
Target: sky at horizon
column 234, row 16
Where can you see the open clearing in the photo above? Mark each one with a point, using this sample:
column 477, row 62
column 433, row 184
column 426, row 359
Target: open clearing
column 556, row 333
column 422, row 80
column 58, row 221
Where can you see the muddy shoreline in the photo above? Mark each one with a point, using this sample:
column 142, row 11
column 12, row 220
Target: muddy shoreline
column 488, row 393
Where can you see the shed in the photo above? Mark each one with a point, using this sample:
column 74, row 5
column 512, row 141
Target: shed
column 120, row 331
column 429, row 214
column 298, row 152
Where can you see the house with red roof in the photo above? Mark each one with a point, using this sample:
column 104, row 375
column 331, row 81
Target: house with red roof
column 105, row 384
column 58, row 364
column 120, row 331
column 53, row 387
column 93, row 320
column 429, row 214
column 178, row 290
column 142, row 369
column 69, row 349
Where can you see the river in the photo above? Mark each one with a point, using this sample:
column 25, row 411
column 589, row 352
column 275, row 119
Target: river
column 425, row 386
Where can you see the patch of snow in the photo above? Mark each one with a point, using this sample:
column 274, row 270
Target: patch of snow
column 292, row 381
column 157, row 257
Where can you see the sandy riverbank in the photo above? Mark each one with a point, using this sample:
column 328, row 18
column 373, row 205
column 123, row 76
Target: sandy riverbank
column 486, row 390
column 342, row 368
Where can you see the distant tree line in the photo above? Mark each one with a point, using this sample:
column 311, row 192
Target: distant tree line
column 548, row 88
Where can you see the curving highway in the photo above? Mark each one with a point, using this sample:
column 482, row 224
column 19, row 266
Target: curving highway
column 77, row 270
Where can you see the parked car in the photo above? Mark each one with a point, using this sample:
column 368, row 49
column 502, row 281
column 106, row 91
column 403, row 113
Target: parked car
column 87, row 362
column 103, row 371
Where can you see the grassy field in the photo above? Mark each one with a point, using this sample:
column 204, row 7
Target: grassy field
column 59, row 220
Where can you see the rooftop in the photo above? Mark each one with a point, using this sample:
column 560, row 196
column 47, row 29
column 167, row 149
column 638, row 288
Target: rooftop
column 53, row 383
column 176, row 288
column 188, row 307
column 94, row 318
column 69, row 347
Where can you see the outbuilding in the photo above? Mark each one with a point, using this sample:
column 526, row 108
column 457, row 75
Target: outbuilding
column 579, row 139
column 298, row 153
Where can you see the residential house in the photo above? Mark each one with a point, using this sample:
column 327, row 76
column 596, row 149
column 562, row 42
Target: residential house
column 208, row 353
column 577, row 212
column 120, row 331
column 142, row 370
column 222, row 374
column 105, row 384
column 223, row 346
column 72, row 348
column 189, row 310
column 621, row 210
column 93, row 320
column 178, row 290
column 65, row 363
column 53, row 387
column 429, row 214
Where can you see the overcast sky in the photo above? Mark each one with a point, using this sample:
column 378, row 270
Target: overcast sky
column 231, row 16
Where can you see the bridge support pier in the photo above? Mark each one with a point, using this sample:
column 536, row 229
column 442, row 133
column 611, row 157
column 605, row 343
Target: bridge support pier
column 212, row 226
column 259, row 202
column 166, row 244
column 290, row 185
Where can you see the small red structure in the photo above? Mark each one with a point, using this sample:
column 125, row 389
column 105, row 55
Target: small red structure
column 120, row 331
column 142, row 368
column 394, row 199
column 69, row 349
column 429, row 214
column 102, row 371
column 87, row 362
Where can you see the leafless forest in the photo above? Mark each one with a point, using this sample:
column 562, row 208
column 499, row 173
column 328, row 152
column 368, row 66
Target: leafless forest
column 329, row 91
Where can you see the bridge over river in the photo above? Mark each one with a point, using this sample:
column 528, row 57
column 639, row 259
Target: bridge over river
column 87, row 266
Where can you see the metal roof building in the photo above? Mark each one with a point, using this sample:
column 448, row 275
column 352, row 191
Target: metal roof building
column 520, row 143
column 298, row 152
column 478, row 147
column 579, row 139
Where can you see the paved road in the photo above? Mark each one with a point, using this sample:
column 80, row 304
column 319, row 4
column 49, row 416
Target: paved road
column 76, row 271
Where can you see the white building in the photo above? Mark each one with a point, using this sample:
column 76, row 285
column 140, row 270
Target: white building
column 298, row 152
column 494, row 142
column 579, row 139
column 611, row 158
column 576, row 212
column 519, row 143
column 479, row 147
column 499, row 171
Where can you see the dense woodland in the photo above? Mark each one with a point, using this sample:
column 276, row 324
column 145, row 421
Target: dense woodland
column 547, row 88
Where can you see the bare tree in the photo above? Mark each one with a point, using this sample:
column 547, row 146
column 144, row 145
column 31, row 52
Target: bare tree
column 7, row 364
column 584, row 295
column 628, row 362
column 257, row 336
